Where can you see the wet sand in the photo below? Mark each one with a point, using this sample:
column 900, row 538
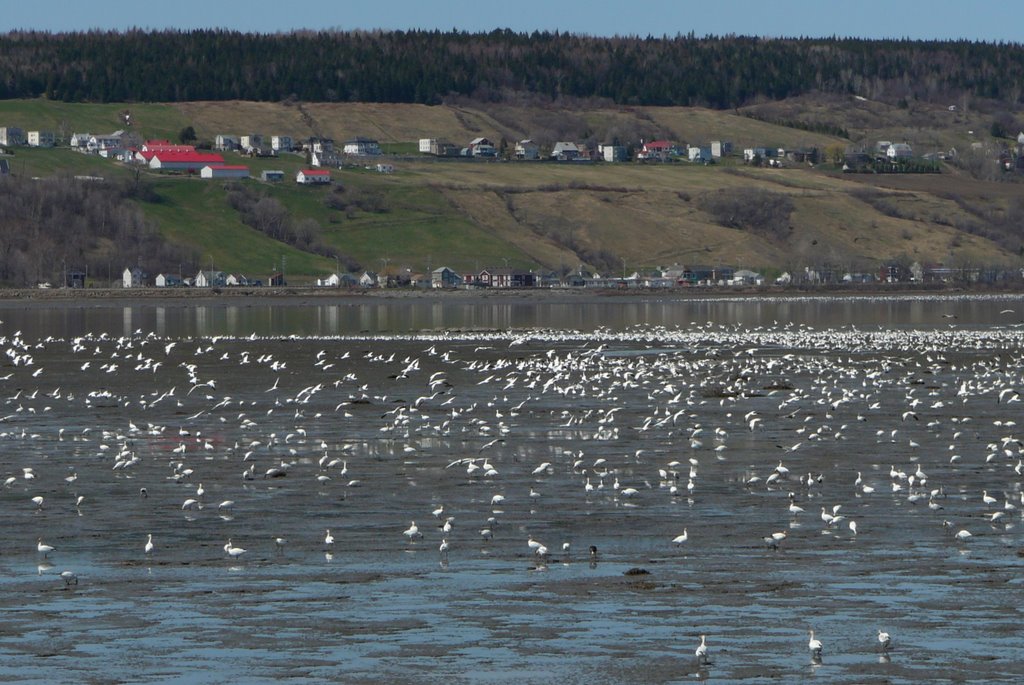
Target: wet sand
column 376, row 607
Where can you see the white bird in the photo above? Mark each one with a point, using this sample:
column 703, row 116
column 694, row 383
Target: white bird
column 149, row 544
column 853, row 527
column 701, row 652
column 883, row 640
column 814, row 645
column 233, row 552
column 328, row 538
column 680, row 539
column 412, row 532
column 497, row 499
column 69, row 577
column 43, row 548
column 963, row 534
column 443, row 548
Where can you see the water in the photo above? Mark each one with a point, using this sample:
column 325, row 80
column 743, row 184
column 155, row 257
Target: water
column 836, row 387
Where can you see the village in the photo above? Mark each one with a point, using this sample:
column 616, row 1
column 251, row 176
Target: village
column 322, row 156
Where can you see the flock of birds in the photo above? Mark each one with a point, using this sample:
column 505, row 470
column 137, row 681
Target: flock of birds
column 512, row 430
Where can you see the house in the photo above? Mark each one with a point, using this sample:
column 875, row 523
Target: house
column 225, row 142
column 320, row 145
column 183, row 161
column 313, row 176
column 250, row 142
column 11, row 136
column 481, row 147
column 337, row 281
column 133, row 277
column 41, row 139
column 102, row 142
column 527, row 149
column 699, row 153
column 271, row 175
column 427, row 145
column 721, row 148
column 224, row 171
column 79, row 141
column 657, row 150
column 385, row 168
column 758, row 154
column 168, row 281
column 325, row 158
column 899, row 151
column 166, row 146
column 276, row 280
column 237, row 279
column 707, row 275
column 438, row 148
column 506, row 277
column 444, row 278
column 746, row 277
column 74, row 279
column 369, row 280
column 210, row 279
column 613, row 153
column 362, row 147
column 281, row 143
column 565, row 151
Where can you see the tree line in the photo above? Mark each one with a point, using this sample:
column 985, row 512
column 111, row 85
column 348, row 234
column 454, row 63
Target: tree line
column 431, row 66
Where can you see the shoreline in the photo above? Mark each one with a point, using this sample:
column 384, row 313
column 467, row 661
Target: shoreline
column 301, row 295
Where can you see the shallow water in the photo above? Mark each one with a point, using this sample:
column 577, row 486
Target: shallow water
column 378, row 607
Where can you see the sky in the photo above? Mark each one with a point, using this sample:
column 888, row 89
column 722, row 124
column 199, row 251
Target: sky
column 986, row 20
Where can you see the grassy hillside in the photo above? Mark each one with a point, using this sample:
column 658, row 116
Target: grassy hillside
column 469, row 215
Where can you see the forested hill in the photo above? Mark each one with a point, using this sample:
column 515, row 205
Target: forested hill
column 429, row 66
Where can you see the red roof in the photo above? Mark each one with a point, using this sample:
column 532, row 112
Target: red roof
column 189, row 157
column 657, row 145
column 315, row 172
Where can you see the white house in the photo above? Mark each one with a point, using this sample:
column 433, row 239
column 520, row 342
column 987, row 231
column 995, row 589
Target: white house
column 79, row 141
column 699, row 153
column 224, row 171
column 427, row 145
column 210, row 279
column 721, row 148
column 133, row 277
column 103, row 142
column 236, row 280
column 899, row 151
column 168, row 281
column 313, row 176
column 41, row 139
column 385, row 168
column 281, row 143
column 224, row 141
column 250, row 142
column 11, row 135
column 481, row 147
column 321, row 145
column 612, row 153
column 369, row 280
column 361, row 146
column 527, row 149
column 184, row 161
column 565, row 151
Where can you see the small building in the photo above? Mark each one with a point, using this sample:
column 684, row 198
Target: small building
column 103, row 142
column 699, row 153
column 759, row 154
column 276, row 280
column 281, row 143
column 41, row 139
column 337, row 281
column 527, row 149
column 369, row 279
column 224, row 171
column 427, row 145
column 385, row 168
column 271, row 175
column 482, row 147
column 362, row 147
column 183, row 161
column 444, row 278
column 613, row 153
column 506, row 277
column 251, row 142
column 320, row 145
column 11, row 136
column 657, row 150
column 224, row 141
column 79, row 141
column 133, row 277
column 74, row 278
column 899, row 151
column 168, row 281
column 564, row 151
column 313, row 176
column 210, row 279
column 234, row 280
column 721, row 148
column 327, row 158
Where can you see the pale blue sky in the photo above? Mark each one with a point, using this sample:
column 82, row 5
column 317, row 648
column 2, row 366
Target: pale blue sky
column 989, row 20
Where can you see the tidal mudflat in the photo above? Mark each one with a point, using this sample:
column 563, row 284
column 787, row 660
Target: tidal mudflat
column 822, row 477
